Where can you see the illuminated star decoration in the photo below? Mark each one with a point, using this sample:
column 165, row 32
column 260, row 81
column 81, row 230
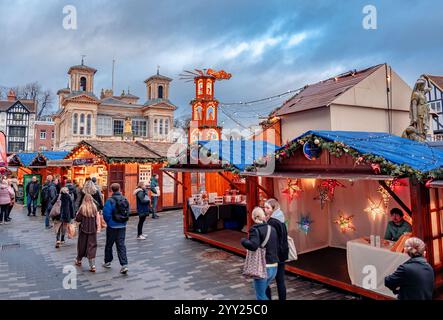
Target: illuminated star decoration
column 385, row 195
column 305, row 224
column 331, row 184
column 344, row 222
column 374, row 209
column 293, row 189
column 323, row 196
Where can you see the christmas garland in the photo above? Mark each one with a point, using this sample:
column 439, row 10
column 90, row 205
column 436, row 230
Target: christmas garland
column 338, row 149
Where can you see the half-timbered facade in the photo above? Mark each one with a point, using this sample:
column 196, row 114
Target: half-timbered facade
column 435, row 100
column 17, row 118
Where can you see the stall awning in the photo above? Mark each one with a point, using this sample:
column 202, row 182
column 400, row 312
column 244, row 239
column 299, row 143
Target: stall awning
column 27, row 158
column 323, row 175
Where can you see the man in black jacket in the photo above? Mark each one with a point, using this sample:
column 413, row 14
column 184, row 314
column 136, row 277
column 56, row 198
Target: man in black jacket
column 32, row 192
column 414, row 279
column 283, row 252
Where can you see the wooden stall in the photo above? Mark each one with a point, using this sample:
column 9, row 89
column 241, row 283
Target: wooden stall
column 123, row 162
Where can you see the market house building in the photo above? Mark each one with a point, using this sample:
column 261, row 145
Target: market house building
column 375, row 99
column 435, row 101
column 126, row 163
column 84, row 116
column 17, row 117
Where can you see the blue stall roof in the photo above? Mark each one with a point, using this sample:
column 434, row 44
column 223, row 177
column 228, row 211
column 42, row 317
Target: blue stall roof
column 26, row 158
column 240, row 153
column 418, row 155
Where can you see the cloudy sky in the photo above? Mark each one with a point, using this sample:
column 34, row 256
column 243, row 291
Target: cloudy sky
column 269, row 46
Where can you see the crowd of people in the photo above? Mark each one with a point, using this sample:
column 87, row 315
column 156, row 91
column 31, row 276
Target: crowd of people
column 63, row 202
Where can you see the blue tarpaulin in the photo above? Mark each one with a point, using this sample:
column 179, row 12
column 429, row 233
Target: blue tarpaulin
column 418, row 155
column 27, row 158
column 240, row 153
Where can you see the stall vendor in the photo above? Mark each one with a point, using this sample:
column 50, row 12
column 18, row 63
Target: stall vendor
column 398, row 226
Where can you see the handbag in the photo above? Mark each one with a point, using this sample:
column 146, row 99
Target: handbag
column 56, row 208
column 292, row 250
column 98, row 222
column 71, row 230
column 255, row 262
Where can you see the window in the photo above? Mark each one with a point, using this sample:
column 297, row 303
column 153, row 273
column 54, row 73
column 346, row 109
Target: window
column 161, row 127
column 166, row 126
column 43, row 134
column 160, row 92
column 149, row 93
column 16, row 146
column 104, row 126
column 75, row 123
column 43, row 148
column 82, row 84
column 53, row 135
column 17, row 116
column 139, row 128
column 156, row 126
column 82, row 124
column 17, row 131
column 118, row 127
column 88, row 124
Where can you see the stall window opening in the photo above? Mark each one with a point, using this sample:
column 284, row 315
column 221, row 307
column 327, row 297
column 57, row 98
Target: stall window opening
column 118, row 127
column 139, row 128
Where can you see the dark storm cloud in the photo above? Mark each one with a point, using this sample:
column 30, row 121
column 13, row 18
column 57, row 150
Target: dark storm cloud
column 269, row 46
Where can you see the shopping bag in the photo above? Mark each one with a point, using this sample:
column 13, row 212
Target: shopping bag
column 255, row 262
column 71, row 230
column 103, row 222
column 98, row 222
column 55, row 210
column 292, row 250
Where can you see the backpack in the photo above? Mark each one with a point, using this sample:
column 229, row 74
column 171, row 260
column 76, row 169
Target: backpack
column 45, row 193
column 121, row 212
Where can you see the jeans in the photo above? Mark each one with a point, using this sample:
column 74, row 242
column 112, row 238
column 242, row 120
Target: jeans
column 43, row 208
column 48, row 210
column 4, row 208
column 280, row 279
column 61, row 232
column 32, row 202
column 141, row 221
column 260, row 285
column 116, row 236
column 154, row 205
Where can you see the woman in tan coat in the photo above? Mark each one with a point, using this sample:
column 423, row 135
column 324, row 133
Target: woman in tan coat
column 87, row 237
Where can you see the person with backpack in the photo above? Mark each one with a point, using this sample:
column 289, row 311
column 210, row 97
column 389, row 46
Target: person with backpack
column 155, row 193
column 50, row 196
column 272, row 210
column 143, row 208
column 116, row 214
column 32, row 192
column 262, row 235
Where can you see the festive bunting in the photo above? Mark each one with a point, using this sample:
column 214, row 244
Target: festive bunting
column 345, row 222
column 305, row 224
column 293, row 189
column 375, row 209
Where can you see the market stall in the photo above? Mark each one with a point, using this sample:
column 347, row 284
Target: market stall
column 337, row 189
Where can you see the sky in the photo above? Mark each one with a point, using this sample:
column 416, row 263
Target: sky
column 269, row 46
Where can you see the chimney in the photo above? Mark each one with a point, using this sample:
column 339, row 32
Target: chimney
column 11, row 95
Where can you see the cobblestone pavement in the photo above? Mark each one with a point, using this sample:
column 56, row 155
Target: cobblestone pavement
column 165, row 266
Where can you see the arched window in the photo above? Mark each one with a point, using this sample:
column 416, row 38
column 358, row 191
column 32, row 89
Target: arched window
column 75, row 123
column 160, row 92
column 82, row 84
column 156, row 127
column 88, row 124
column 210, row 113
column 161, row 126
column 198, row 110
column 82, row 124
column 166, row 126
column 200, row 87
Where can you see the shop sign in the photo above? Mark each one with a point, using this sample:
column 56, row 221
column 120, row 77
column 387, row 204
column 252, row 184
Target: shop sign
column 311, row 151
column 59, row 163
column 83, row 162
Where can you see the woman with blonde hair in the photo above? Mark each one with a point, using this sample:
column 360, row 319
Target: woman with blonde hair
column 90, row 188
column 263, row 235
column 87, row 238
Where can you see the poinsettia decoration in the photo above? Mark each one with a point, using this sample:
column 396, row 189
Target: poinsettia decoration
column 293, row 189
column 345, row 222
column 331, row 184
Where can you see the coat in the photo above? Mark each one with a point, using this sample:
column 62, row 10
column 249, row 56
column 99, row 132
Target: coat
column 413, row 280
column 108, row 209
column 143, row 204
column 282, row 239
column 154, row 187
column 6, row 194
column 66, row 209
column 97, row 199
column 257, row 235
column 87, row 237
column 32, row 190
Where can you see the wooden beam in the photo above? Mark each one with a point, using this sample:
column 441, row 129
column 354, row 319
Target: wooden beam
column 395, row 197
column 232, row 184
column 269, row 194
column 175, row 179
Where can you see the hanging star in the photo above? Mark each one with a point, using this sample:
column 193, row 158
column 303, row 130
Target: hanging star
column 293, row 189
column 344, row 222
column 331, row 184
column 323, row 196
column 385, row 195
column 305, row 224
column 374, row 209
